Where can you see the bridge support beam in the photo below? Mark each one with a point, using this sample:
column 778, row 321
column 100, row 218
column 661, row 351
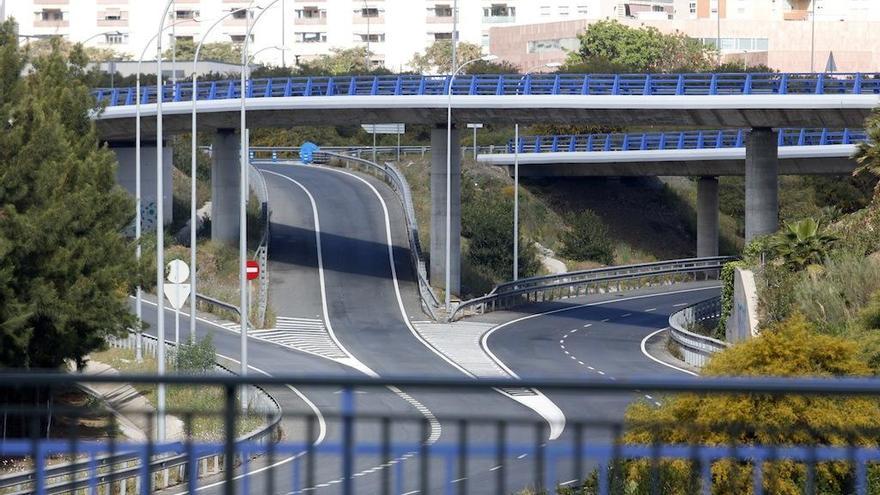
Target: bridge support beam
column 225, row 186
column 707, row 217
column 762, row 183
column 126, row 175
column 438, row 210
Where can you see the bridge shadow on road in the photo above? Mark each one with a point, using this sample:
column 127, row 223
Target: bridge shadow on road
column 296, row 246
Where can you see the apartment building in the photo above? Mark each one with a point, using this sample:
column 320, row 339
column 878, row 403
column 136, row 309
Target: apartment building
column 393, row 29
column 787, row 35
column 525, row 32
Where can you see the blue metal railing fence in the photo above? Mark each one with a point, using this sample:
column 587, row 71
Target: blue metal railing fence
column 509, row 84
column 686, row 140
column 377, row 451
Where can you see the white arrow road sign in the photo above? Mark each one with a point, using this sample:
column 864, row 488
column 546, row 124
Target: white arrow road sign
column 177, row 294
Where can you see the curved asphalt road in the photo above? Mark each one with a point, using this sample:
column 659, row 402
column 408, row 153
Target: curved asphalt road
column 367, row 304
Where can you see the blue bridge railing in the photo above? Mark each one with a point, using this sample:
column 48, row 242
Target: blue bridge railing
column 687, row 140
column 510, row 84
column 366, row 446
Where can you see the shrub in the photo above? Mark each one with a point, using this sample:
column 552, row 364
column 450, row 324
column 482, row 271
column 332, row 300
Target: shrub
column 836, row 295
column 801, row 244
column 790, row 348
column 587, row 239
column 728, row 275
column 196, row 357
column 487, row 222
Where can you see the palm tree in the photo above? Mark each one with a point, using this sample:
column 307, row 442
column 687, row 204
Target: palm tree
column 868, row 153
column 802, row 244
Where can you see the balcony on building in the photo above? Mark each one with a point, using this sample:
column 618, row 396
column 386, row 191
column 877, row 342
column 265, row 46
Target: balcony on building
column 369, row 15
column 186, row 17
column 112, row 18
column 51, row 18
column 499, row 13
column 310, row 37
column 439, row 14
column 311, row 15
column 239, row 17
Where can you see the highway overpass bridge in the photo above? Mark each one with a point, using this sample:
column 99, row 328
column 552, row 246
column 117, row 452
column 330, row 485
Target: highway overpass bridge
column 760, row 102
column 706, row 154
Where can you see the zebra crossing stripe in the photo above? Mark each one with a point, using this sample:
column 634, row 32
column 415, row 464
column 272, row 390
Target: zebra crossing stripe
column 303, row 334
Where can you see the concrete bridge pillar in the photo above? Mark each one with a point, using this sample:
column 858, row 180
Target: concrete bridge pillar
column 225, row 186
column 438, row 210
column 707, row 217
column 762, row 183
column 126, row 175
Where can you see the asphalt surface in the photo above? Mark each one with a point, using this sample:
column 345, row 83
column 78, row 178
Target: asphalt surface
column 365, row 294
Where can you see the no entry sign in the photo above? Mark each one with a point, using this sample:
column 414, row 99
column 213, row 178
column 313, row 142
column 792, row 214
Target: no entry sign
column 253, row 269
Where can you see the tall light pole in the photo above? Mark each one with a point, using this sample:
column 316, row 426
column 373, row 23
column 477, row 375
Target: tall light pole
column 105, row 33
column 193, row 169
column 242, row 212
column 550, row 65
column 160, row 228
column 139, row 354
column 813, row 38
column 448, row 281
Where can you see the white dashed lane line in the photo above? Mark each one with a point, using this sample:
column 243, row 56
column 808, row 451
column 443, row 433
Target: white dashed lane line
column 571, row 333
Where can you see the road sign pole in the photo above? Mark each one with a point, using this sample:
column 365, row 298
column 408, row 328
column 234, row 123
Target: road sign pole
column 475, row 143
column 374, row 145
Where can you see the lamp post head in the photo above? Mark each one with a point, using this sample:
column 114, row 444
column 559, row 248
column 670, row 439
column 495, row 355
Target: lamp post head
column 489, row 58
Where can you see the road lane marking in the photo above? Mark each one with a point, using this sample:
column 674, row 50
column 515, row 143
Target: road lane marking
column 664, row 363
column 538, row 403
column 650, row 309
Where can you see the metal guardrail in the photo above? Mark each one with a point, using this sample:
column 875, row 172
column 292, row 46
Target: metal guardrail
column 275, row 154
column 508, row 85
column 393, row 177
column 579, row 283
column 688, row 140
column 262, row 252
column 517, row 447
column 696, row 349
column 123, row 465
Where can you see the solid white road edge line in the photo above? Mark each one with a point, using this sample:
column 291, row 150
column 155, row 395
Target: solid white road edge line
column 644, row 347
column 539, row 403
column 353, row 361
column 484, row 340
column 322, row 424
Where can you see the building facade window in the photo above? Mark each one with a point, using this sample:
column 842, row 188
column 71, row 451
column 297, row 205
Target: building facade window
column 442, row 11
column 563, row 10
column 372, row 37
column 239, row 38
column 370, row 12
column 242, row 14
column 311, row 37
column 545, row 10
column 116, row 38
column 186, row 14
column 442, row 36
column 51, row 15
column 583, row 10
column 311, row 13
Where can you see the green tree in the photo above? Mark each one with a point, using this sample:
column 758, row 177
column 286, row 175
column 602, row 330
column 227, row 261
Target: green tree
column 868, row 153
column 218, row 52
column 801, row 244
column 790, row 348
column 487, row 223
column 438, row 57
column 340, row 61
column 587, row 239
column 643, row 49
column 65, row 268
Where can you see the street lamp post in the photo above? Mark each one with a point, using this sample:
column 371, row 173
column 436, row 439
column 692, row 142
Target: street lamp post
column 242, row 220
column 550, row 65
column 139, row 342
column 813, row 38
column 160, row 229
column 448, row 281
column 193, row 166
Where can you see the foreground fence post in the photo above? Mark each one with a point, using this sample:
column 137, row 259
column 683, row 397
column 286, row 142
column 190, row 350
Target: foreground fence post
column 229, row 449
